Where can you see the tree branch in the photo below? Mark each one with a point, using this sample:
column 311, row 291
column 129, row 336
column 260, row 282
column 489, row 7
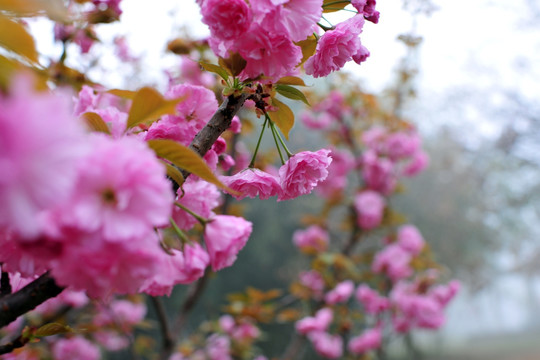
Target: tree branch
column 168, row 341
column 38, row 291
column 5, row 285
column 219, row 122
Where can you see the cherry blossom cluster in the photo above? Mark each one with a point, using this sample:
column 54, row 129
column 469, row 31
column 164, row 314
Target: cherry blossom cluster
column 93, row 12
column 75, row 197
column 399, row 297
column 112, row 322
column 267, row 35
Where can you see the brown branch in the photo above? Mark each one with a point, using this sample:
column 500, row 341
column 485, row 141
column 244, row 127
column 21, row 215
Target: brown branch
column 219, row 122
column 168, row 341
column 12, row 345
column 5, row 285
column 38, row 291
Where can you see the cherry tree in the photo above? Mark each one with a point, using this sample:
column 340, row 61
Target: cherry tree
column 113, row 194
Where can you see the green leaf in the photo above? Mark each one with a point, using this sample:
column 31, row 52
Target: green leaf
column 234, row 64
column 215, row 69
column 148, row 106
column 96, row 122
column 291, row 93
column 186, row 159
column 14, row 37
column 334, row 5
column 291, row 80
column 52, row 329
column 283, row 117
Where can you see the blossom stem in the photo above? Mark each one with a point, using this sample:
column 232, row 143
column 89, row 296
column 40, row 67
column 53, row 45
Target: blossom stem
column 289, row 153
column 183, row 238
column 276, row 141
column 199, row 218
column 325, row 28
column 252, row 162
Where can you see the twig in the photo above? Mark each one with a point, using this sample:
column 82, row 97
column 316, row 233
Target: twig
column 5, row 285
column 38, row 291
column 168, row 341
column 12, row 345
column 219, row 122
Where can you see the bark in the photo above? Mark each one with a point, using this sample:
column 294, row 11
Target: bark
column 38, row 291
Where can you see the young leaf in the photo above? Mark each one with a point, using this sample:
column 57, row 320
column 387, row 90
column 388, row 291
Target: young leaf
column 148, row 106
column 334, row 5
column 308, row 47
column 234, row 64
column 124, row 94
column 291, row 80
column 215, row 69
column 283, row 117
column 95, row 122
column 52, row 329
column 174, row 174
column 291, row 93
column 186, row 159
column 14, row 37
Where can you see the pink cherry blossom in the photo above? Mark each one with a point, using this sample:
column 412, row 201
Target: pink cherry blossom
column 191, row 73
column 227, row 19
column 225, row 236
column 342, row 163
column 314, row 239
column 113, row 5
column 75, row 348
column 105, row 267
column 369, row 340
column 294, row 18
column 369, row 206
column 236, row 125
column 245, row 331
column 415, row 310
column 401, row 145
column 394, row 261
column 367, row 9
column 316, row 121
column 341, row 293
column 218, row 347
column 270, row 54
column 252, row 183
column 378, row 173
column 111, row 340
column 40, row 146
column 122, row 190
column 312, row 280
column 336, row 47
column 373, row 302
column 445, row 293
column 200, row 197
column 180, row 267
column 302, row 172
column 122, row 313
column 410, row 239
column 115, row 119
column 227, row 323
column 418, row 163
column 192, row 113
column 326, row 345
column 320, row 322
